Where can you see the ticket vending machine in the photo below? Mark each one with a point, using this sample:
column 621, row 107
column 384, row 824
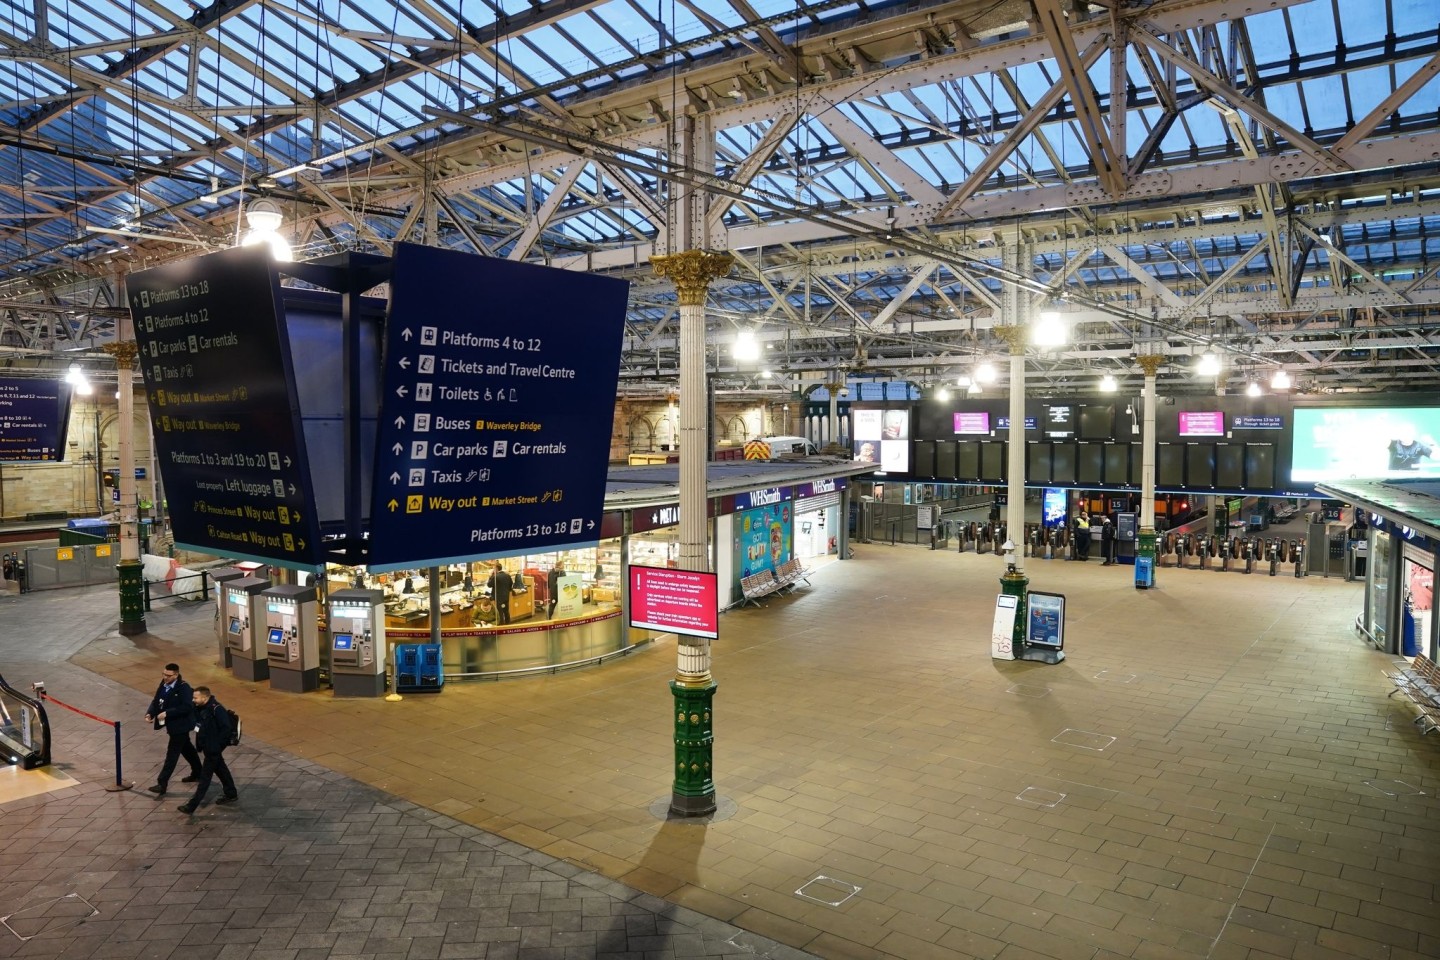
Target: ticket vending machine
column 243, row 620
column 220, row 577
column 357, row 643
column 292, row 638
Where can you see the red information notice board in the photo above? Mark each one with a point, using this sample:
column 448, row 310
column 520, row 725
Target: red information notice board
column 675, row 601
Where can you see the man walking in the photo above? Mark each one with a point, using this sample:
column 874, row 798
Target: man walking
column 500, row 584
column 171, row 710
column 212, row 735
column 553, row 583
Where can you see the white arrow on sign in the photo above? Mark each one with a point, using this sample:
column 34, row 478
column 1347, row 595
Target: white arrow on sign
column 292, row 489
column 398, row 448
column 394, row 478
column 590, row 525
column 399, row 391
column 406, row 333
column 404, row 363
column 287, row 461
column 400, row 422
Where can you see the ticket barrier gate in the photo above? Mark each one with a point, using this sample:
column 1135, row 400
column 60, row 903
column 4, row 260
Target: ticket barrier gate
column 220, row 577
column 1225, row 555
column 357, row 643
column 1272, row 553
column 1297, row 557
column 244, row 620
column 292, row 638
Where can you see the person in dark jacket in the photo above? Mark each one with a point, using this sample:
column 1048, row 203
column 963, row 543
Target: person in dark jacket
column 553, row 582
column 1107, row 542
column 212, row 736
column 500, row 584
column 170, row 710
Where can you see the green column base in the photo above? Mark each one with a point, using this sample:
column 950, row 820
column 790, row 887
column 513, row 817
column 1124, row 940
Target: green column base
column 693, row 792
column 132, row 597
column 1016, row 585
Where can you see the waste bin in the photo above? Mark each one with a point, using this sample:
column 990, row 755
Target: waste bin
column 418, row 668
column 1409, row 642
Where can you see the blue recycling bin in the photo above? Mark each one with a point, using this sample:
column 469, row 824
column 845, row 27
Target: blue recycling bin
column 1409, row 642
column 418, row 668
column 1144, row 573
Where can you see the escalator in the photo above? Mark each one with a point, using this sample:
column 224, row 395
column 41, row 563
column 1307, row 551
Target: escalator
column 24, row 729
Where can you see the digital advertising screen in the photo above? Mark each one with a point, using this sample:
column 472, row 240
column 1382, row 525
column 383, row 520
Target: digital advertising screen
column 1337, row 443
column 674, row 601
column 1045, row 619
column 883, row 437
column 972, row 422
column 1097, row 421
column 1053, row 507
column 1206, row 423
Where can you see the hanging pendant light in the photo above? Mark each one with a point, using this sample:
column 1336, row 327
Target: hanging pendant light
column 265, row 217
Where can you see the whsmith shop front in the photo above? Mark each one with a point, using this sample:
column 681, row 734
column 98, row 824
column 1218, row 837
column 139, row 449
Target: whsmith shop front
column 761, row 515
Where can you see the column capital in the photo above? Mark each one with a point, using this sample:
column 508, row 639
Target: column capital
column 1014, row 334
column 124, row 352
column 691, row 272
column 1151, row 362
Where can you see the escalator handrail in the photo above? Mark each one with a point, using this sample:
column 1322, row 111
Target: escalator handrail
column 40, row 757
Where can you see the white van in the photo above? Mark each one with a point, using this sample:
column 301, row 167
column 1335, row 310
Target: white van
column 790, row 447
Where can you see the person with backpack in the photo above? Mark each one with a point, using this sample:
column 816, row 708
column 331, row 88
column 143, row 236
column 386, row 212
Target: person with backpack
column 213, row 731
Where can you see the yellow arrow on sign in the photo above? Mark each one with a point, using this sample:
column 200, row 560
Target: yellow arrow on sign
column 392, row 505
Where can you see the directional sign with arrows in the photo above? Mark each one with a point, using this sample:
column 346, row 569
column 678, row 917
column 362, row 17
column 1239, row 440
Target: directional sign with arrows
column 213, row 348
column 499, row 396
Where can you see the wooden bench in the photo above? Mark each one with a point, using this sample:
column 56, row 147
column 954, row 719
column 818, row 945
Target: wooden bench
column 791, row 572
column 1419, row 682
column 758, row 585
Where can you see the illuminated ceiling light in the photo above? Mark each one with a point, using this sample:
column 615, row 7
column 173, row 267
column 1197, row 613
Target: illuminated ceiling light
column 974, row 388
column 985, row 372
column 1108, row 384
column 1208, row 365
column 963, row 382
column 264, row 217
column 1049, row 330
column 1281, row 380
column 943, row 394
column 1253, row 390
column 765, row 374
column 746, row 347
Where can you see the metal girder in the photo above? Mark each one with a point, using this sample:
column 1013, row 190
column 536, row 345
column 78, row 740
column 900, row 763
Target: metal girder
column 885, row 164
column 537, row 223
column 1387, row 107
column 1109, row 167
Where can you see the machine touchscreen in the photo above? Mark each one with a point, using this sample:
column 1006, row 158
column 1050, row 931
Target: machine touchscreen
column 344, row 641
column 235, row 625
column 277, row 637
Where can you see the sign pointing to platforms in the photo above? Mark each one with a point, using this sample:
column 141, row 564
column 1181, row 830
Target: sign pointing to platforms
column 500, row 382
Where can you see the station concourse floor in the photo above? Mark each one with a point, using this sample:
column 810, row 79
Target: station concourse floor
column 1216, row 770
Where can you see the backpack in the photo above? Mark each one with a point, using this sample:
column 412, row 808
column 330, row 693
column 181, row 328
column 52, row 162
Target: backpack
column 234, row 738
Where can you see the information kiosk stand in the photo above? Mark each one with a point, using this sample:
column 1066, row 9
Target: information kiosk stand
column 244, row 618
column 221, row 577
column 292, row 643
column 357, row 643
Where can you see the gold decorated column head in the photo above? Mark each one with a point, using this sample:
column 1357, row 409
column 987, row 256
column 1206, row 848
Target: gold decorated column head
column 691, row 272
column 1151, row 363
column 124, row 352
column 1013, row 334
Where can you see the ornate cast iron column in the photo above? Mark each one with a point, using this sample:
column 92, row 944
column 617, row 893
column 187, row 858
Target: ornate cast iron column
column 693, row 791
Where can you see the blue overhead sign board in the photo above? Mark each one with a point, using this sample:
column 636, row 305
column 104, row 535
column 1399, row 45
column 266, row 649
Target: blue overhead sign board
column 215, row 355
column 1003, row 423
column 1245, row 422
column 33, row 418
column 498, row 392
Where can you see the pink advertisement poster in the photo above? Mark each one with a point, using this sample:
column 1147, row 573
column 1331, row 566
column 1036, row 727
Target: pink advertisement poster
column 1208, row 423
column 972, row 422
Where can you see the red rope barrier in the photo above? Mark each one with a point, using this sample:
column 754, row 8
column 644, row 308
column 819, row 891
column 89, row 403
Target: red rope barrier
column 49, row 699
